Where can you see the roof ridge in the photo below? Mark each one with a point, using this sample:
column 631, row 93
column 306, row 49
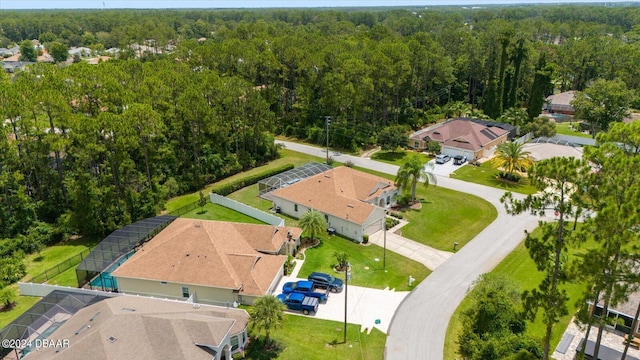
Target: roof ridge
column 224, row 257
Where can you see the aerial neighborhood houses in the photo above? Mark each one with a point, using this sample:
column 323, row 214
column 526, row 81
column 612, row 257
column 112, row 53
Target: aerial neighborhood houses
column 353, row 203
column 471, row 138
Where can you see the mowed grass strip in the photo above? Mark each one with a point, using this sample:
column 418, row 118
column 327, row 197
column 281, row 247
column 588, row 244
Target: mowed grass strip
column 519, row 267
column 366, row 264
column 55, row 254
column 304, row 337
column 220, row 213
column 485, row 174
column 286, row 157
column 397, row 157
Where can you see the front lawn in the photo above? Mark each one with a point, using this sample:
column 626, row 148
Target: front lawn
column 447, row 217
column 303, row 337
column 286, row 157
column 519, row 267
column 485, row 174
column 366, row 264
column 398, row 157
column 220, row 213
column 567, row 128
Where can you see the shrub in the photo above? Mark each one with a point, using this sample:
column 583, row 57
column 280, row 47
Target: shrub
column 391, row 223
column 348, row 163
column 404, row 199
column 396, row 215
column 509, row 177
column 227, row 189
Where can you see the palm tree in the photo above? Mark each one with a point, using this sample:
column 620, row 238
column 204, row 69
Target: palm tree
column 512, row 157
column 457, row 109
column 313, row 222
column 412, row 171
column 267, row 313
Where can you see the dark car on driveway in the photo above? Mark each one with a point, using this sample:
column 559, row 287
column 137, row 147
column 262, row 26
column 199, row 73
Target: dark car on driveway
column 326, row 281
column 459, row 160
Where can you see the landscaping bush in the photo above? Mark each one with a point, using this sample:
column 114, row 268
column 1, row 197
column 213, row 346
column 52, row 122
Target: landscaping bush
column 227, row 189
column 404, row 199
column 392, row 222
column 396, row 215
column 348, row 163
column 513, row 177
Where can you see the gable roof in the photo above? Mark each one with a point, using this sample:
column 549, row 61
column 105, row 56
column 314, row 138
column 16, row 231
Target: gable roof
column 132, row 327
column 342, row 192
column 212, row 253
column 564, row 98
column 462, row 133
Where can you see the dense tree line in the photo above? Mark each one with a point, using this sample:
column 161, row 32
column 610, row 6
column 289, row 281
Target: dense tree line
column 88, row 148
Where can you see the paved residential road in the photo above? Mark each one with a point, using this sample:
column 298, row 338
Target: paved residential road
column 419, row 325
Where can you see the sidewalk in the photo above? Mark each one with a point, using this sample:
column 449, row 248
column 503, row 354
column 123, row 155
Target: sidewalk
column 423, row 254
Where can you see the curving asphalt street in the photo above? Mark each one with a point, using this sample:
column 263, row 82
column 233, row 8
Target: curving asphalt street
column 419, row 325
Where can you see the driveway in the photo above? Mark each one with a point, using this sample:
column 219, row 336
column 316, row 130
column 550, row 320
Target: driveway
column 443, row 169
column 365, row 306
column 418, row 328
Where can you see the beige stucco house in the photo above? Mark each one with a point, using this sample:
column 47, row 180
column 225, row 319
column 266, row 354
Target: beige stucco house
column 136, row 327
column 354, row 203
column 212, row 262
column 467, row 137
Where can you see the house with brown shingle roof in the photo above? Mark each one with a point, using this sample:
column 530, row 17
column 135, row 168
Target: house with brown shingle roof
column 467, row 137
column 560, row 103
column 135, row 327
column 213, row 262
column 353, row 202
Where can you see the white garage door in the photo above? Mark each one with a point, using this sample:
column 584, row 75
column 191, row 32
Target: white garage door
column 452, row 151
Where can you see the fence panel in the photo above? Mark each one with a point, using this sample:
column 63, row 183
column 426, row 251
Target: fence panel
column 59, row 268
column 246, row 209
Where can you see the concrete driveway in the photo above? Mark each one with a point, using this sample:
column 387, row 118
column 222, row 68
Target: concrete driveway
column 365, row 306
column 443, row 169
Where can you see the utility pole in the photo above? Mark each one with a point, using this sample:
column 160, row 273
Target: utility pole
column 384, row 253
column 327, row 121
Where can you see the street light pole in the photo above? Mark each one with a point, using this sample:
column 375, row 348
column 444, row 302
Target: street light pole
column 327, row 121
column 384, row 251
column 346, row 288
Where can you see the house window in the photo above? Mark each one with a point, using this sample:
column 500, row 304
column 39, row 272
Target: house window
column 163, row 283
column 416, row 145
column 295, row 207
column 234, row 343
column 388, row 200
column 185, row 292
column 326, row 218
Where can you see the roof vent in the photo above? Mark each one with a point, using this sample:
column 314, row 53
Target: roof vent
column 112, row 339
column 327, row 176
column 349, row 205
column 129, row 309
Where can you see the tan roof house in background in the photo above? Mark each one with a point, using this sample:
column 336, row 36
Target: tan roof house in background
column 560, row 103
column 466, row 137
column 353, row 202
column 213, row 262
column 133, row 327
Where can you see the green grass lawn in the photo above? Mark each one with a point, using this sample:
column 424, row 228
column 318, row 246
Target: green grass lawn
column 485, row 174
column 220, row 213
column 286, row 157
column 565, row 128
column 397, row 158
column 447, row 217
column 304, row 337
column 519, row 266
column 55, row 254
column 365, row 269
column 22, row 304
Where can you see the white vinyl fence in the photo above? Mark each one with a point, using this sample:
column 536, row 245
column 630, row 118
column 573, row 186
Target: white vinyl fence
column 246, row 209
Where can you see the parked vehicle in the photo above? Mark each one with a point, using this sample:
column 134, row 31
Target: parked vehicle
column 326, row 281
column 442, row 159
column 299, row 302
column 305, row 288
column 459, row 160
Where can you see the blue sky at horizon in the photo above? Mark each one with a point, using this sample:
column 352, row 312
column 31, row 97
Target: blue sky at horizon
column 160, row 4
